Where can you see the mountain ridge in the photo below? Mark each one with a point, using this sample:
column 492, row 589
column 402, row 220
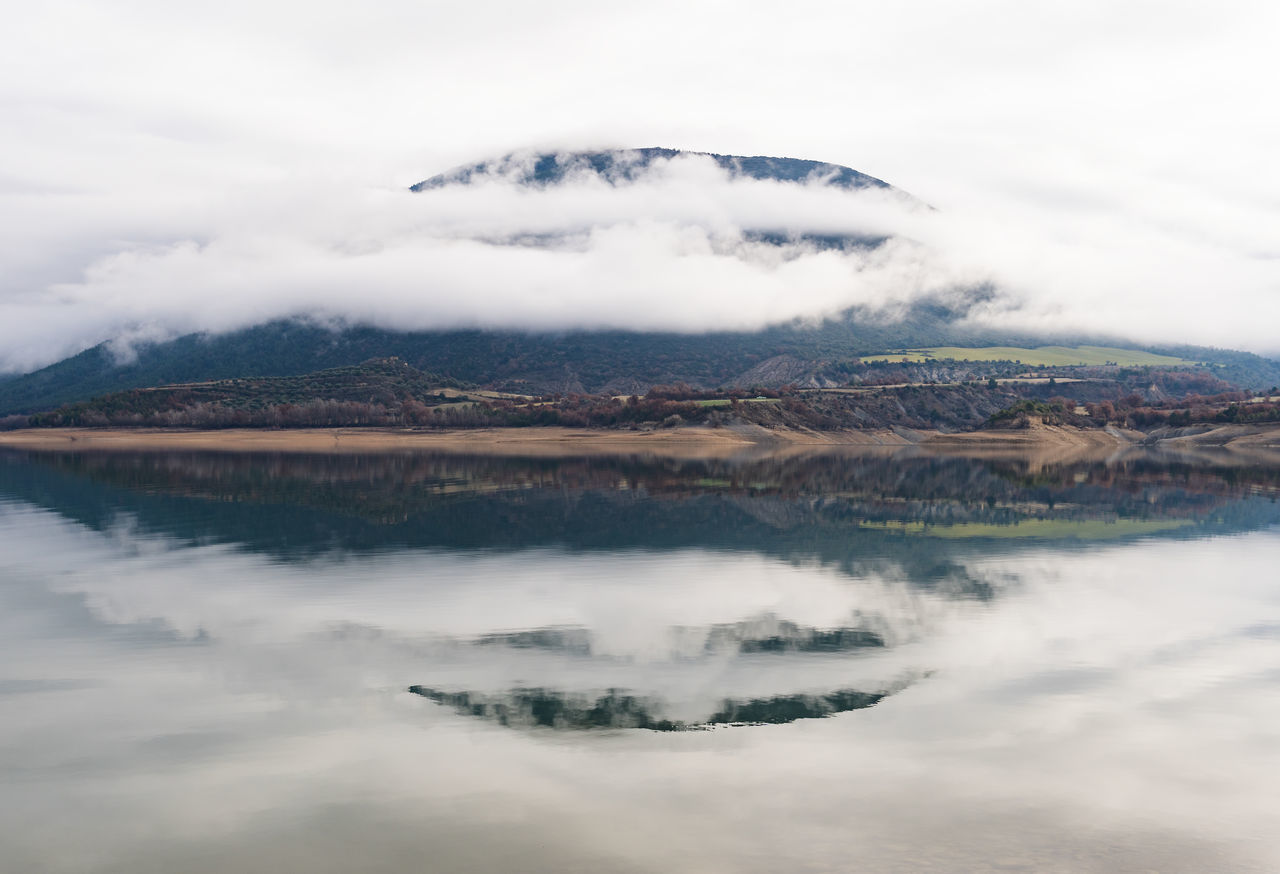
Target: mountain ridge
column 540, row 169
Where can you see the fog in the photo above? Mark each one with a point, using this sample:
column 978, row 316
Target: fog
column 1105, row 168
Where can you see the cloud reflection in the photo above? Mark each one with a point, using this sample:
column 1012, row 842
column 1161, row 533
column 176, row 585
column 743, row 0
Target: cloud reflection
column 1043, row 736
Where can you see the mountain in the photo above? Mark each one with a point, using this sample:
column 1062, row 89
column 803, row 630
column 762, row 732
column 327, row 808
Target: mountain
column 622, row 166
column 585, row 361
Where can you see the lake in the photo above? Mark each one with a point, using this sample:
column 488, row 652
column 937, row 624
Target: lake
column 849, row 661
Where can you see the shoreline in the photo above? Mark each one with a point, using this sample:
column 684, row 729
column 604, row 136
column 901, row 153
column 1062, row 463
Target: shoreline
column 1040, row 443
column 693, row 442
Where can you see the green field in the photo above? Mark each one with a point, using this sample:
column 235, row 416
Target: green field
column 1051, row 356
column 724, row 402
column 1042, row 529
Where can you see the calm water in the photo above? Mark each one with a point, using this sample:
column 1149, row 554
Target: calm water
column 217, row 663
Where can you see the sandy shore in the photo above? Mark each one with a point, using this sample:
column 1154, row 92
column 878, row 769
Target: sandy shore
column 550, row 442
column 1043, row 444
column 682, row 442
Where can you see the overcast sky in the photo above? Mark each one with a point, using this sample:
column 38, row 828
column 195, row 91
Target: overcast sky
column 1109, row 166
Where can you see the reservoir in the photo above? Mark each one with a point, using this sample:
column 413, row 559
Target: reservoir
column 844, row 660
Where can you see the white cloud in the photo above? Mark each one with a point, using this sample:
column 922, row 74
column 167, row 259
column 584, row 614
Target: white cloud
column 1098, row 162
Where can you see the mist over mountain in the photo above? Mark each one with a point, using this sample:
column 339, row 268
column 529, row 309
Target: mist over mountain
column 598, row 271
column 608, row 208
column 619, row 168
column 650, row 240
column 138, row 209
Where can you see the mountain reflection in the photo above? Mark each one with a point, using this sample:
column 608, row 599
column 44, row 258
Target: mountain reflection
column 765, row 634
column 529, row 708
column 692, row 651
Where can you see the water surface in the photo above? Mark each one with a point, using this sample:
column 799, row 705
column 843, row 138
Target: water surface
column 407, row 662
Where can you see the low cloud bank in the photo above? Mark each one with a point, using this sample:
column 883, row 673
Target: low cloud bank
column 678, row 249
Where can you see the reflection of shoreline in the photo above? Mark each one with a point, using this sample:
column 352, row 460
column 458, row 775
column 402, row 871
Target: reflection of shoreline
column 1038, row 445
column 850, row 510
column 895, row 477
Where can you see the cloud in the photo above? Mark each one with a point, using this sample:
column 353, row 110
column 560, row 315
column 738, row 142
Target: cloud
column 674, row 251
column 171, row 172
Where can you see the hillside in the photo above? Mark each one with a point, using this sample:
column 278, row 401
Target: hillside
column 620, row 362
column 608, row 362
column 340, row 395
column 391, row 393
